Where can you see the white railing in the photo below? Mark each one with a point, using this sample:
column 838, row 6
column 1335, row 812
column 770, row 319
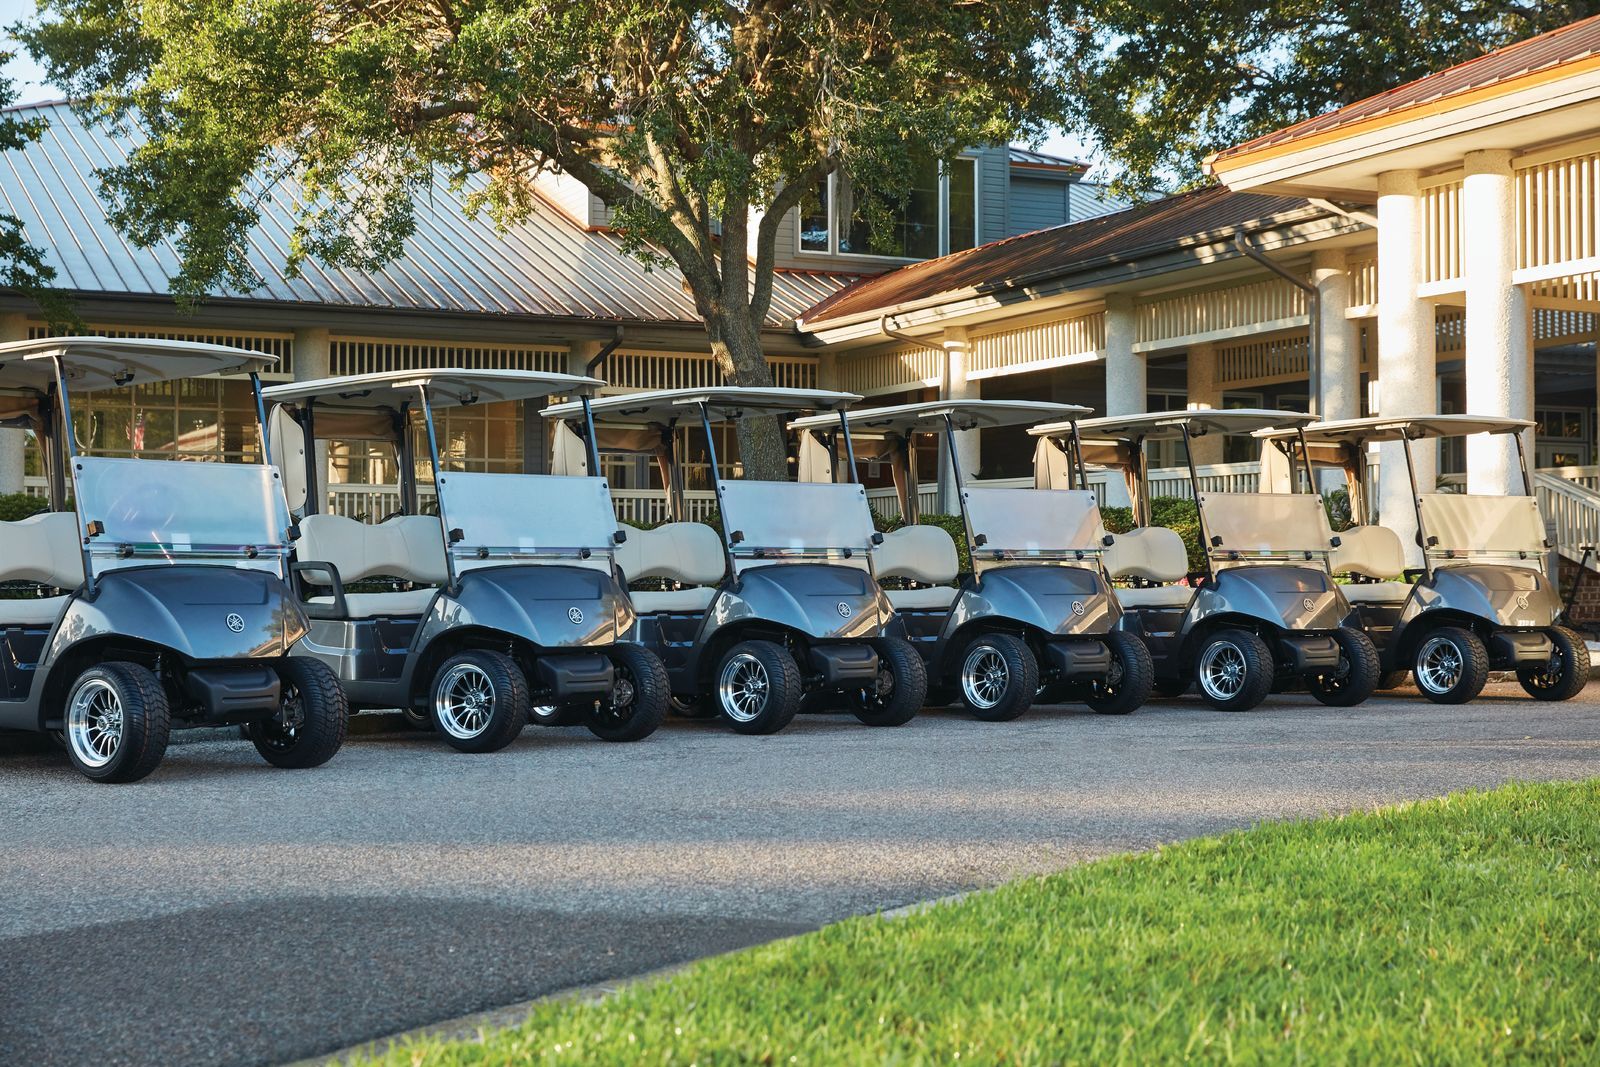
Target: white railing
column 1571, row 512
column 1586, row 477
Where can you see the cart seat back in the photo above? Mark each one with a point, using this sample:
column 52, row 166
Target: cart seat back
column 1370, row 551
column 922, row 553
column 687, row 552
column 43, row 548
column 407, row 546
column 1150, row 553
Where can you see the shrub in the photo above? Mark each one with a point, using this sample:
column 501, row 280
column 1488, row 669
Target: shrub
column 14, row 506
column 1337, row 505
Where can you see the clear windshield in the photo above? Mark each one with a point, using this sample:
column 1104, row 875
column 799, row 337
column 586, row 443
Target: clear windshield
column 1461, row 523
column 160, row 510
column 796, row 518
column 527, row 516
column 1034, row 521
column 1258, row 524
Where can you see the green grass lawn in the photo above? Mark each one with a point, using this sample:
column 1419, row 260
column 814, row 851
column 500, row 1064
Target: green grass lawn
column 1462, row 930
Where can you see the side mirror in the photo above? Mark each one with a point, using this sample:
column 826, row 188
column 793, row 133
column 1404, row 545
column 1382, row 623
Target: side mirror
column 620, row 537
column 877, row 537
column 457, row 536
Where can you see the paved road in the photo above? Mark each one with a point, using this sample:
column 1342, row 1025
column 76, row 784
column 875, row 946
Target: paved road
column 224, row 912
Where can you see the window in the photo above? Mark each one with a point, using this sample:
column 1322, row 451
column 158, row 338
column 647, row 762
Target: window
column 192, row 419
column 479, row 437
column 940, row 215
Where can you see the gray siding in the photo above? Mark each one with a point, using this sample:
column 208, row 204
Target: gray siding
column 1036, row 203
column 994, row 174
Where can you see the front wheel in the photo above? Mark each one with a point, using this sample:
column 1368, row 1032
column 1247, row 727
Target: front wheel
column 758, row 687
column 999, row 677
column 1567, row 672
column 1452, row 666
column 1127, row 685
column 117, row 722
column 312, row 721
column 639, row 695
column 1234, row 670
column 1355, row 678
column 902, row 685
column 479, row 701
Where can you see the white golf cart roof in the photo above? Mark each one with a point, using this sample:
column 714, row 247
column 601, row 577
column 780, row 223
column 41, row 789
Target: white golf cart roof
column 666, row 406
column 928, row 416
column 447, row 387
column 1169, row 425
column 1395, row 428
column 111, row 362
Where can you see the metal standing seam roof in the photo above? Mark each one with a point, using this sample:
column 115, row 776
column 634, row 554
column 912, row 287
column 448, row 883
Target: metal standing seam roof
column 1027, row 157
column 1059, row 250
column 1568, row 44
column 547, row 266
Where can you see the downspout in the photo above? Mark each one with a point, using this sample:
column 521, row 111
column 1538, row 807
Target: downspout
column 605, row 350
column 1241, row 241
column 948, row 456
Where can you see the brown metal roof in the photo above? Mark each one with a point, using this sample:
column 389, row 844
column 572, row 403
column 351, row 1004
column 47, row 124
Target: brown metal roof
column 1060, row 250
column 1547, row 51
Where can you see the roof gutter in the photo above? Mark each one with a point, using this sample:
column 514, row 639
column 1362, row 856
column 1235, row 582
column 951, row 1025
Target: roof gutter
column 1241, row 241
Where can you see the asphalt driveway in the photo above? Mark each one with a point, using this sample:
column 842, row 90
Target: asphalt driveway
column 226, row 912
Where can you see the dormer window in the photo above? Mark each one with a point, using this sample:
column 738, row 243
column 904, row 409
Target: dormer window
column 940, row 216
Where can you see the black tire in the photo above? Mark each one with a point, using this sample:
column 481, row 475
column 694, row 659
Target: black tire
column 638, row 703
column 117, row 722
column 315, row 717
column 478, row 701
column 692, row 707
column 1567, row 672
column 420, row 721
column 1451, row 665
column 1234, row 670
column 1356, row 678
column 997, row 677
column 1173, row 687
column 1130, row 681
column 757, row 687
column 902, row 685
column 558, row 714
column 1392, row 679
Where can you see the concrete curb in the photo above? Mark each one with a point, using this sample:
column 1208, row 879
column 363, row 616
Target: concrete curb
column 470, row 1027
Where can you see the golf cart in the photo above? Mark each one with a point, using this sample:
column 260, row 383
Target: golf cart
column 1265, row 610
column 506, row 596
column 1034, row 619
column 1482, row 599
column 160, row 601
column 785, row 603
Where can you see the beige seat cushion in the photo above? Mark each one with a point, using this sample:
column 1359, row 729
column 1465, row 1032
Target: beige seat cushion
column 1370, row 551
column 692, row 599
column 932, row 598
column 1156, row 596
column 407, row 546
column 1377, row 592
column 32, row 611
column 374, row 605
column 43, row 548
column 1150, row 553
column 921, row 553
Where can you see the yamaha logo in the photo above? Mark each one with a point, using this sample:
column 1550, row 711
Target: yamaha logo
column 844, row 610
column 1078, row 608
column 575, row 615
column 1309, row 603
column 235, row 622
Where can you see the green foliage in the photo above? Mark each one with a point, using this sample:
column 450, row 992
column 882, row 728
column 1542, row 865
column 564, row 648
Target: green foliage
column 1460, row 930
column 14, row 506
column 1337, row 505
column 1174, row 512
column 1161, row 84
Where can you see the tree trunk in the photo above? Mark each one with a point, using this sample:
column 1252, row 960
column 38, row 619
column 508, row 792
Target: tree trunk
column 736, row 344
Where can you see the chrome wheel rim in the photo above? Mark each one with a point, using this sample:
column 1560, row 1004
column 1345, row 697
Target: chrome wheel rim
column 465, row 701
column 1222, row 670
column 94, row 723
column 1439, row 665
column 743, row 687
column 283, row 731
column 984, row 677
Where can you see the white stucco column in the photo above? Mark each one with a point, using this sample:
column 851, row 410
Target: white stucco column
column 1126, row 393
column 13, row 442
column 1200, row 362
column 957, row 386
column 1407, row 376
column 1499, row 343
column 1340, row 378
column 312, row 351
